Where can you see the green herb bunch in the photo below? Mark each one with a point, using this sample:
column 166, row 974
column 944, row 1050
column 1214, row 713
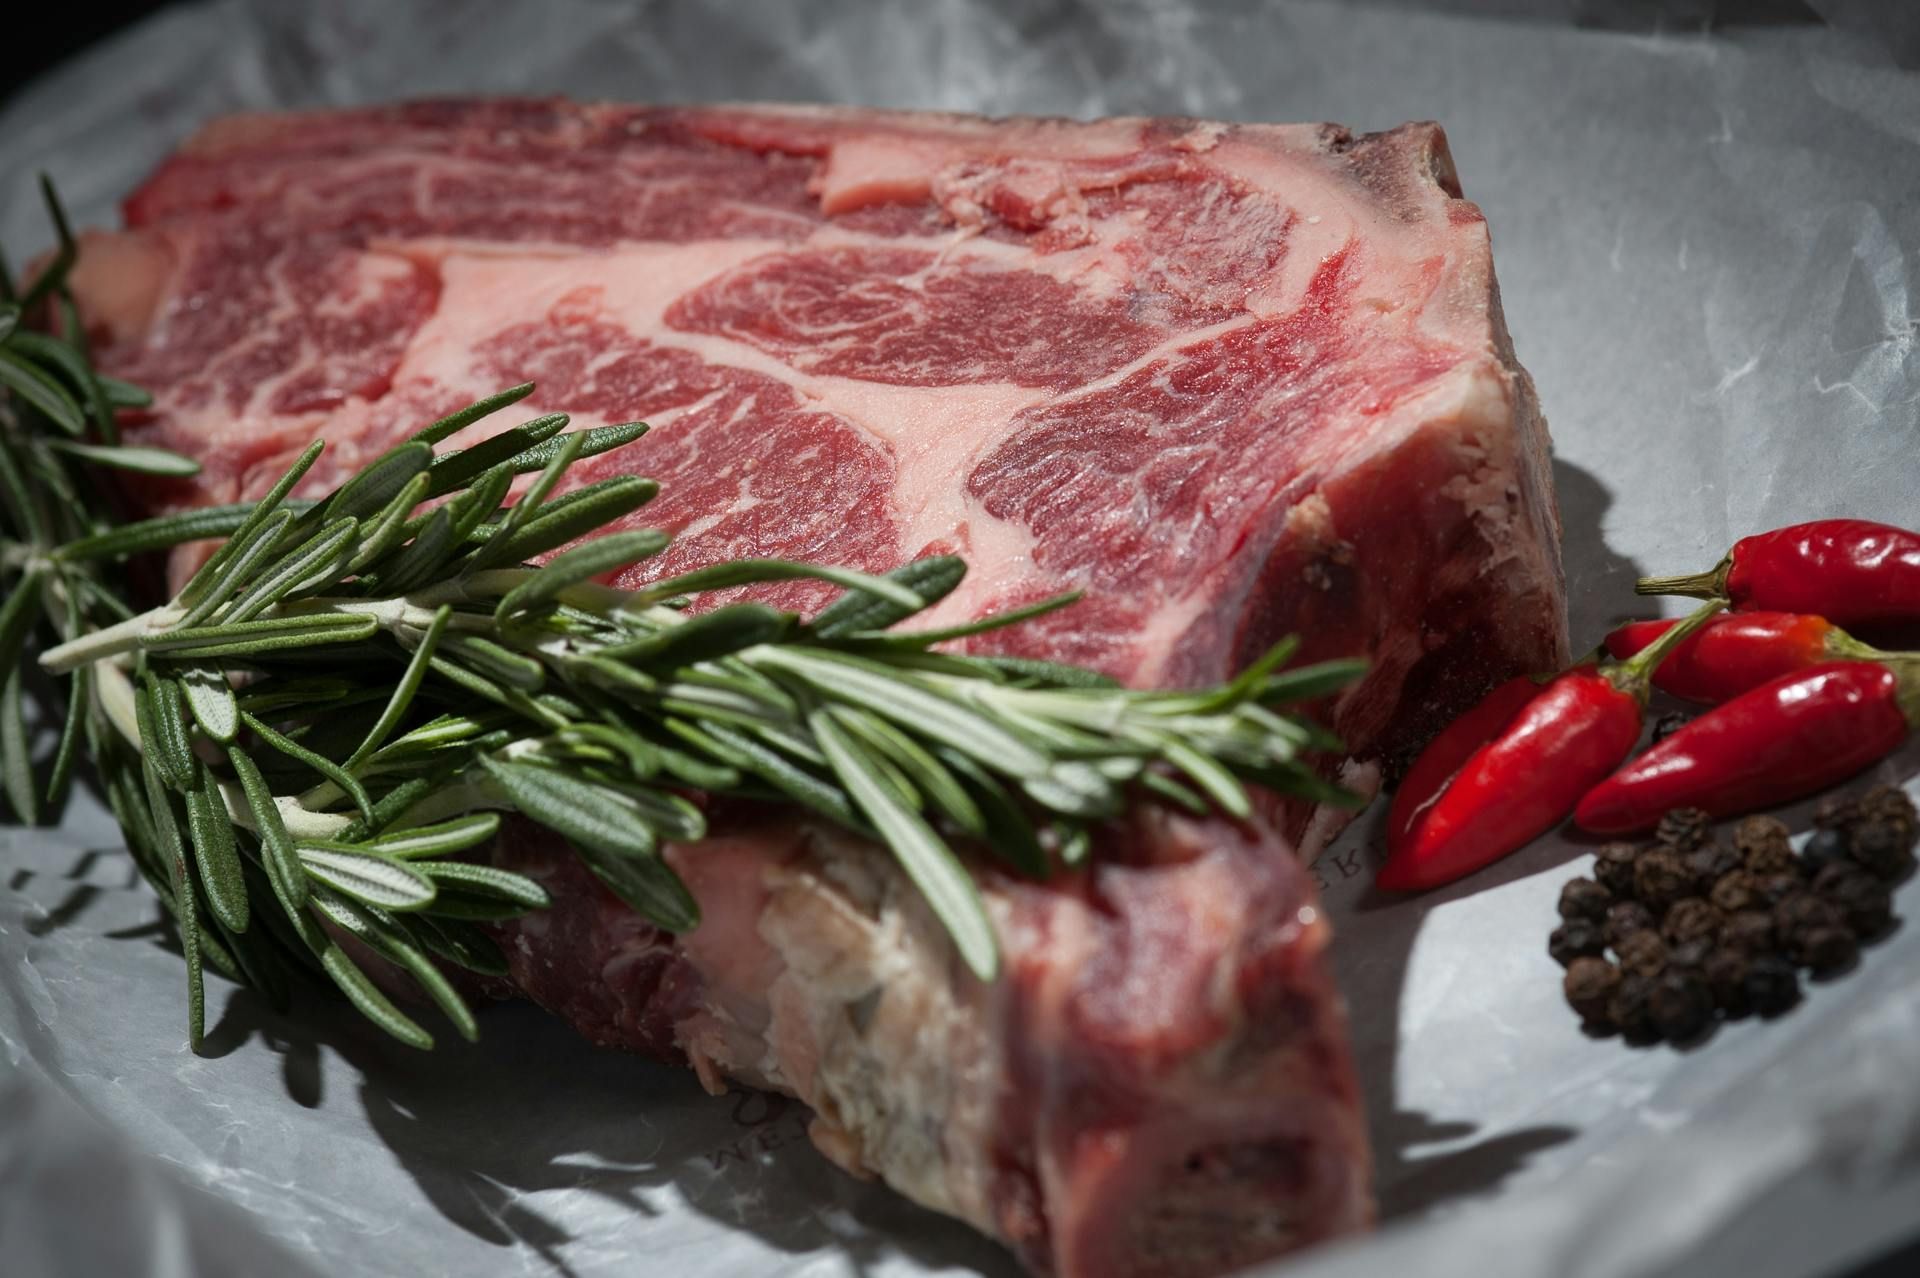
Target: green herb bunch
column 315, row 738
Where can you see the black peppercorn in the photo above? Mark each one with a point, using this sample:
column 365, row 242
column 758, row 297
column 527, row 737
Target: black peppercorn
column 1836, row 812
column 1683, row 829
column 1590, row 985
column 1690, row 919
column 1625, row 919
column 1889, row 805
column 1668, row 724
column 1882, row 847
column 1680, row 1005
column 1775, row 888
column 1642, row 954
column 1826, row 847
column 1800, row 914
column 1576, row 938
column 1613, row 867
column 1765, row 845
column 1693, row 953
column 1660, row 878
column 1735, row 891
column 1828, row 950
column 1748, row 932
column 1629, row 1008
column 1709, row 863
column 1862, row 899
column 1726, row 975
column 1584, row 899
column 1772, row 985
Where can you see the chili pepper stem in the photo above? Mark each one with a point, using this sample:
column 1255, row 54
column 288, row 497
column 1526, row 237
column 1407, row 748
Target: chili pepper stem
column 1635, row 675
column 1699, row 585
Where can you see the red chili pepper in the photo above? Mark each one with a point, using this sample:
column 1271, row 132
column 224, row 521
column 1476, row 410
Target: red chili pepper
column 1783, row 740
column 1851, row 571
column 1428, row 777
column 1519, row 785
column 1743, row 650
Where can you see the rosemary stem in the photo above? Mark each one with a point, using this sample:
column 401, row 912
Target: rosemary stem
column 109, row 641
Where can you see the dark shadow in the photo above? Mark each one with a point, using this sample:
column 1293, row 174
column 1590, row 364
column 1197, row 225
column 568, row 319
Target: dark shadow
column 74, row 905
column 482, row 1127
column 1599, row 579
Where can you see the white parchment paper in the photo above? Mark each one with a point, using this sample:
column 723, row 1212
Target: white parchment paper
column 1706, row 244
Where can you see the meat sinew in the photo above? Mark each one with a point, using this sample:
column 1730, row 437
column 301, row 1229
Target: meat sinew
column 1233, row 382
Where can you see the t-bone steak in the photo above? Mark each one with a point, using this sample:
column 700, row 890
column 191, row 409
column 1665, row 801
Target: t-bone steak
column 1231, row 381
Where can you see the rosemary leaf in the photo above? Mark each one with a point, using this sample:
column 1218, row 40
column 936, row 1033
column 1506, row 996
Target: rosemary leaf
column 1171, row 790
column 495, row 662
column 711, row 635
column 187, row 923
column 455, row 422
column 18, row 612
column 53, row 276
column 415, row 561
column 460, row 467
column 948, row 888
column 141, row 459
column 16, row 758
column 443, row 839
column 747, row 572
column 927, row 773
column 215, row 851
column 317, row 561
column 990, row 622
column 927, row 580
column 366, row 876
column 599, row 439
column 1307, row 683
column 404, row 691
column 366, row 997
column 388, row 528
column 210, row 698
column 121, row 394
column 171, row 742
column 456, row 941
column 244, row 554
column 1218, row 783
column 72, row 729
column 68, row 359
column 582, row 563
column 1009, row 833
column 320, row 764
column 487, row 880
column 42, row 392
column 569, row 518
column 373, row 487
column 390, row 808
column 873, row 686
column 750, row 756
column 284, row 874
column 565, row 451
column 645, row 884
column 159, row 534
column 382, row 933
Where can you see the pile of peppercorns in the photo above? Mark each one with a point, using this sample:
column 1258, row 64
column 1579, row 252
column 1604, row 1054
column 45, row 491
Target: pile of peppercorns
column 1700, row 928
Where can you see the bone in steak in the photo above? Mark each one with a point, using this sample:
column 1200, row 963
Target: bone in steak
column 1231, row 381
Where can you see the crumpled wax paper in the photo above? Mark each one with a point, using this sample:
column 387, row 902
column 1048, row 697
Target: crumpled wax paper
column 1706, row 243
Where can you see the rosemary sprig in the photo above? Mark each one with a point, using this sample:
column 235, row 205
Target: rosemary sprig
column 305, row 739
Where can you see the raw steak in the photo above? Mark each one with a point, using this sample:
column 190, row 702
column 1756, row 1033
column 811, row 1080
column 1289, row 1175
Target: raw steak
column 1231, row 381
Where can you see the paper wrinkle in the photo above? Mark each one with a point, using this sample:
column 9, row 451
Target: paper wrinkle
column 1707, row 252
